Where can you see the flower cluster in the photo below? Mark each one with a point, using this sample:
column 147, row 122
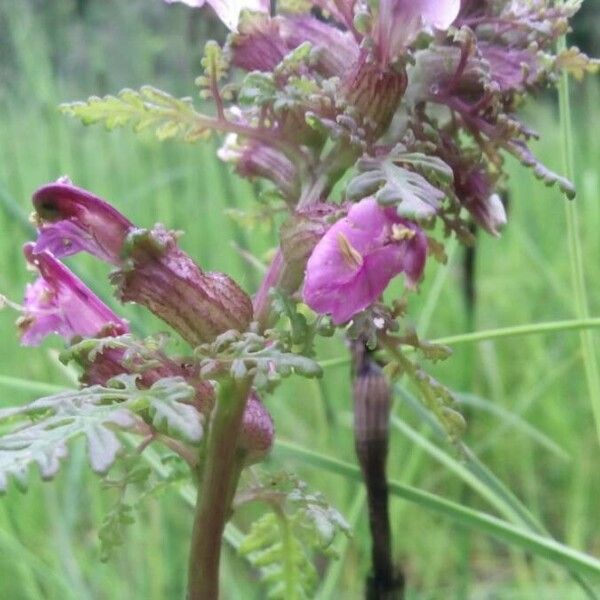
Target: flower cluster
column 411, row 104
column 376, row 126
column 419, row 96
column 151, row 271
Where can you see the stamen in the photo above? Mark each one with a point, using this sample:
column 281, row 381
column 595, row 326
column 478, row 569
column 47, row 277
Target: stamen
column 351, row 255
column 401, row 233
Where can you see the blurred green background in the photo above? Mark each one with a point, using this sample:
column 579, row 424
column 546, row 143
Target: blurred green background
column 529, row 414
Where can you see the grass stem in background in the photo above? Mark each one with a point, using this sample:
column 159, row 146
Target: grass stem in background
column 580, row 298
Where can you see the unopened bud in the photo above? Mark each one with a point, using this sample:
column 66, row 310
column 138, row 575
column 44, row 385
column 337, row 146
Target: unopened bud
column 257, row 432
column 372, row 398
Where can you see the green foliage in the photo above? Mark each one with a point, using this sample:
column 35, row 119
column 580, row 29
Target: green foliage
column 298, row 333
column 257, row 89
column 148, row 108
column 215, row 65
column 136, row 483
column 403, row 179
column 39, row 433
column 240, row 355
column 576, row 63
column 282, row 543
column 171, row 411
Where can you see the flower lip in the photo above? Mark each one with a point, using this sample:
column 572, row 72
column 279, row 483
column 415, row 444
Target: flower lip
column 60, row 200
column 59, row 302
column 71, row 219
column 357, row 258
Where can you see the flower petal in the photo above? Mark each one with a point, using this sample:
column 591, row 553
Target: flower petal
column 356, row 259
column 71, row 219
column 58, row 302
column 229, row 10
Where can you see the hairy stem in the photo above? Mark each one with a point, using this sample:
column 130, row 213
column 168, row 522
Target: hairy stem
column 222, row 468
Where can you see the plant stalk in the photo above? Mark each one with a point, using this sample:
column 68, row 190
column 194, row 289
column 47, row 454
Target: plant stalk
column 372, row 404
column 222, row 469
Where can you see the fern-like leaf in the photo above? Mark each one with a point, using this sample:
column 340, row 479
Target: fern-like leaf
column 39, row 433
column 282, row 543
column 148, row 108
column 215, row 65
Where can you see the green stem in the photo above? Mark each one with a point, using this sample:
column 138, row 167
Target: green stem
column 590, row 363
column 497, row 334
column 222, row 469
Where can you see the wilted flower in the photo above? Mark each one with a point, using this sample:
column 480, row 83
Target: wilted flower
column 356, row 259
column 228, row 10
column 58, row 302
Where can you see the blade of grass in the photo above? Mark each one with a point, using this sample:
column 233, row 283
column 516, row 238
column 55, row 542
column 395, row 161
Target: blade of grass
column 497, row 334
column 514, row 421
column 581, row 305
column 525, row 540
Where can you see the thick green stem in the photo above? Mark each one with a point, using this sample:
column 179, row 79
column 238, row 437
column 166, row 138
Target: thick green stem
column 222, row 468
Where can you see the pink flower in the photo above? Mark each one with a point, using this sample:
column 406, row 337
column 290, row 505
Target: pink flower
column 399, row 22
column 357, row 258
column 71, row 219
column 58, row 302
column 153, row 272
column 229, row 10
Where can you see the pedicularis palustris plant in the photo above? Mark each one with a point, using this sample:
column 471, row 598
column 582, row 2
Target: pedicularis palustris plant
column 380, row 130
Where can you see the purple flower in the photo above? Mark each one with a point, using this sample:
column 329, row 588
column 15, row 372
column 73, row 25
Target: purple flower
column 399, row 22
column 228, row 10
column 153, row 272
column 356, row 259
column 58, row 302
column 71, row 220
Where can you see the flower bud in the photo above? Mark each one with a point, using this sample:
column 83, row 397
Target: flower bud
column 372, row 399
column 58, row 302
column 160, row 276
column 375, row 94
column 257, row 431
column 255, row 159
column 474, row 189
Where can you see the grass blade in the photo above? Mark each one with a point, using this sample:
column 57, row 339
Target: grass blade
column 528, row 541
column 581, row 305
